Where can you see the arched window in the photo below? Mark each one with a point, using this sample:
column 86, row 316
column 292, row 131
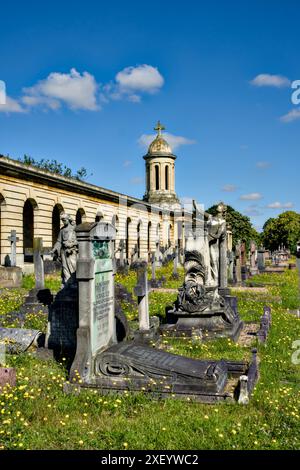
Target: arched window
column 28, row 228
column 156, row 177
column 99, row 216
column 57, row 211
column 167, row 177
column 80, row 216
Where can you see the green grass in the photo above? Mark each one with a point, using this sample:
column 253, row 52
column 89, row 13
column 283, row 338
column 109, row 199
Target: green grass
column 52, row 282
column 38, row 415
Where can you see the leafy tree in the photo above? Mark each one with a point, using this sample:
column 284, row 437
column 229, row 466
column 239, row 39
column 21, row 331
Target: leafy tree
column 267, row 222
column 55, row 167
column 242, row 229
column 283, row 230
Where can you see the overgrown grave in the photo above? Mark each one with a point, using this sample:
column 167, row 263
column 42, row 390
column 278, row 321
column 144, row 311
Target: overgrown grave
column 103, row 363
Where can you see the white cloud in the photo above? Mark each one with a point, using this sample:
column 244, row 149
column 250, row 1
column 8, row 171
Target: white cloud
column 291, row 115
column 127, row 163
column 11, row 106
column 142, row 78
column 229, row 188
column 174, row 141
column 265, row 79
column 279, row 205
column 137, row 180
column 251, row 197
column 77, row 91
column 252, row 212
column 80, row 91
column 131, row 82
column 263, row 165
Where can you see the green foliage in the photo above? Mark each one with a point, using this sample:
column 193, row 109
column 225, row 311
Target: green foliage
column 283, row 230
column 242, row 229
column 55, row 167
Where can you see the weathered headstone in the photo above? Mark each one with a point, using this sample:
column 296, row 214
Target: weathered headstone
column 261, row 259
column 13, row 247
column 94, row 274
column 230, row 258
column 237, row 265
column 253, row 267
column 141, row 291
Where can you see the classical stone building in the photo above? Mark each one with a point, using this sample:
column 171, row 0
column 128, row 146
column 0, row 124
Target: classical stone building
column 31, row 201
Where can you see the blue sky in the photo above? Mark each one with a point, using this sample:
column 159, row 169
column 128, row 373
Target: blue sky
column 87, row 81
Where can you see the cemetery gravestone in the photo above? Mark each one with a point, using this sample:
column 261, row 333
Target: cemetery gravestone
column 204, row 307
column 101, row 362
column 13, row 247
column 261, row 259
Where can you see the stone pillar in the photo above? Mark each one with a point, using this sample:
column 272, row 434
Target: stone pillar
column 141, row 291
column 223, row 263
column 261, row 259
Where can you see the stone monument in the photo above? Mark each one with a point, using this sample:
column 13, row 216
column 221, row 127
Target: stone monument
column 203, row 303
column 103, row 363
column 63, row 311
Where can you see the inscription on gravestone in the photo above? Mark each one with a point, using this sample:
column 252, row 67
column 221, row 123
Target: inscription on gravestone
column 103, row 301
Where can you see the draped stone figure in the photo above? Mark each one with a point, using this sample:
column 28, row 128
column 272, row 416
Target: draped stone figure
column 216, row 227
column 204, row 302
column 65, row 249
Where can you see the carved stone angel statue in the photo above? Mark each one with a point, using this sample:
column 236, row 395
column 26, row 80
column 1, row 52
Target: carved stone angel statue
column 65, row 249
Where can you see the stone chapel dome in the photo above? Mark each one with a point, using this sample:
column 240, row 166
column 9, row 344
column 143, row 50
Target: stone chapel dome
column 159, row 146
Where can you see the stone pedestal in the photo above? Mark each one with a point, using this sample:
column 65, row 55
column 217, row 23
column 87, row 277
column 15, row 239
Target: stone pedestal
column 216, row 323
column 10, row 277
column 63, row 324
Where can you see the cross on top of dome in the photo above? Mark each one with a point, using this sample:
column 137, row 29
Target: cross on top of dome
column 159, row 127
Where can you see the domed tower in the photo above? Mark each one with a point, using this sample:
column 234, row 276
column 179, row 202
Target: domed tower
column 160, row 172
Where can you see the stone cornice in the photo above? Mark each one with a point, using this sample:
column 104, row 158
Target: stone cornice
column 16, row 169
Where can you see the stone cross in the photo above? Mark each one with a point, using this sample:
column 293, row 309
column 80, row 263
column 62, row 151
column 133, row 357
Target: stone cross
column 13, row 247
column 38, row 253
column 122, row 248
column 141, row 291
column 157, row 254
